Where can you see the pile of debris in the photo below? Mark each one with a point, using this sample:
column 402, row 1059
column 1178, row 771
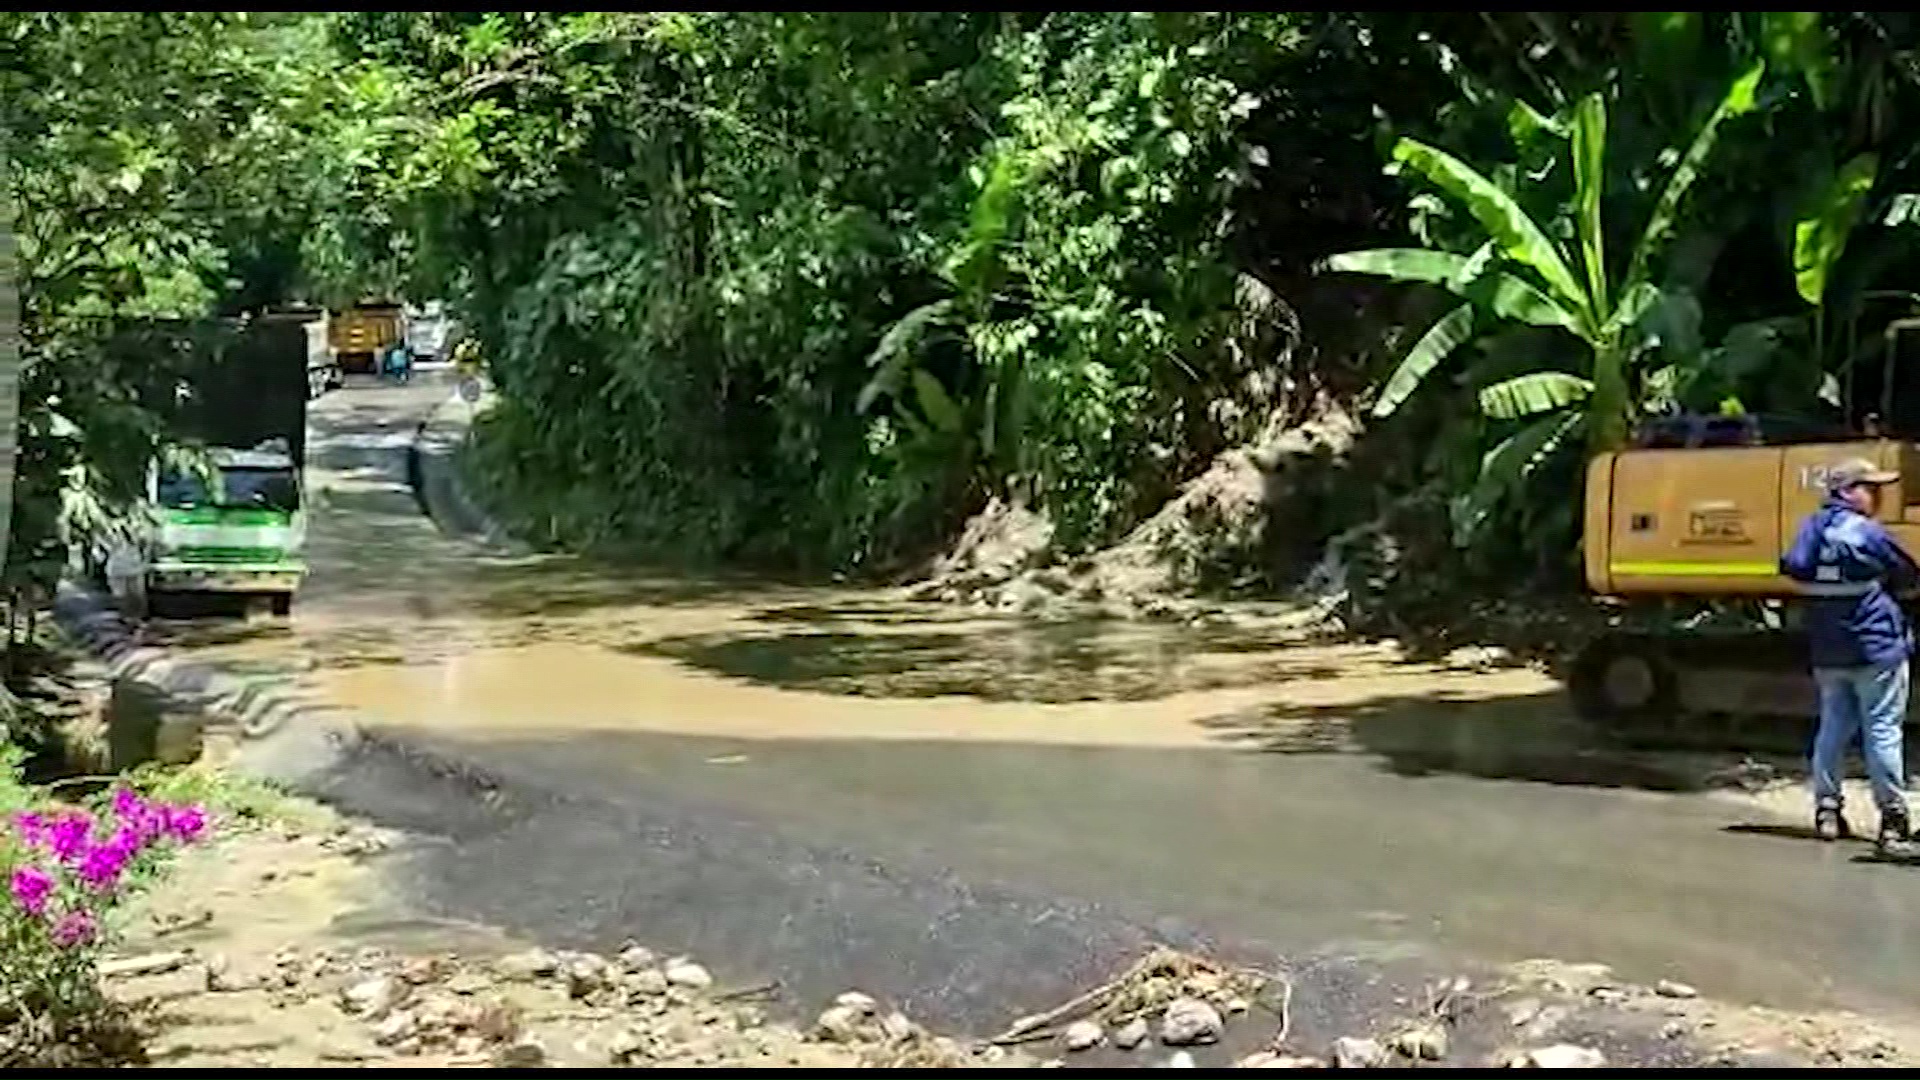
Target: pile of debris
column 1005, row 560
column 1182, row 1001
column 530, row 1009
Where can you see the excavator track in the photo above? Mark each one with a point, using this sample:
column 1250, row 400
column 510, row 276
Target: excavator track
column 1746, row 691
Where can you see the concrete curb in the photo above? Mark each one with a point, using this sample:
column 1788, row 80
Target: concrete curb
column 280, row 734
column 433, row 472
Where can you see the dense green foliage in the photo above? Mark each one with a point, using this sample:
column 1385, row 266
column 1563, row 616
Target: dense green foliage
column 804, row 289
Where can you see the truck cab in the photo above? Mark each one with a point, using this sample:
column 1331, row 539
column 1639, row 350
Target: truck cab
column 244, row 533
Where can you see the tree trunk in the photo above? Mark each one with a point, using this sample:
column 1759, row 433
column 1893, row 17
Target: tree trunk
column 9, row 347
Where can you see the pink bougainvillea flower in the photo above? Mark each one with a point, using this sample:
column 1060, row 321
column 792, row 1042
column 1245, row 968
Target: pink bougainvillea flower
column 74, row 928
column 127, row 803
column 67, row 836
column 149, row 824
column 102, row 864
column 186, row 823
column 129, row 840
column 32, row 827
column 30, row 887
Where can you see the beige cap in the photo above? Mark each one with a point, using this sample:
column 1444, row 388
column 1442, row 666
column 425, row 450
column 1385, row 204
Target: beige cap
column 1857, row 471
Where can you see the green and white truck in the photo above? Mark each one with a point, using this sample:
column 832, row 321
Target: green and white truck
column 247, row 537
column 236, row 524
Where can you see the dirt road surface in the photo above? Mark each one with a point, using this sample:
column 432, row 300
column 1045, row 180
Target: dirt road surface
column 971, row 813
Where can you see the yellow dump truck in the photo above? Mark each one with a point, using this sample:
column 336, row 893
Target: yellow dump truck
column 362, row 334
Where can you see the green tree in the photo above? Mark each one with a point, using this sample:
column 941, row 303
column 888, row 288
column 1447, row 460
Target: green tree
column 1521, row 273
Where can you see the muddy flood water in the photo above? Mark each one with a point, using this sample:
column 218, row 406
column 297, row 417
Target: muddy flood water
column 1231, row 774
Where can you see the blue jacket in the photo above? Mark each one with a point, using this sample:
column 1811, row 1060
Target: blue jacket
column 1846, row 564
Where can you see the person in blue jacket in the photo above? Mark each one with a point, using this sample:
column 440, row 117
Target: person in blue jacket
column 1850, row 570
column 399, row 364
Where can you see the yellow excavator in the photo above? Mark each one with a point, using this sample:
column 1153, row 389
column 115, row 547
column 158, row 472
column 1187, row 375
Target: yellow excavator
column 1701, row 509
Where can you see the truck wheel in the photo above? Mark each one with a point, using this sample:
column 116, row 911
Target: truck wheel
column 281, row 604
column 1621, row 682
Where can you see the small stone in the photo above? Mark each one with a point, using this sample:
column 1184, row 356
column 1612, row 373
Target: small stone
column 495, row 1021
column 214, row 974
column 1566, row 1056
column 1667, row 988
column 626, row 1045
column 1180, row 1060
column 858, row 1002
column 394, row 1027
column 419, row 970
column 1425, row 1042
column 523, row 1054
column 685, row 973
column 468, row 983
column 898, row 1028
column 1234, row 1006
column 468, row 1045
column 1353, row 1053
column 1131, row 1034
column 374, row 998
column 1673, row 1029
column 585, row 974
column 636, row 958
column 647, row 982
column 532, row 964
column 1190, row 1021
column 1082, row 1035
column 839, row 1023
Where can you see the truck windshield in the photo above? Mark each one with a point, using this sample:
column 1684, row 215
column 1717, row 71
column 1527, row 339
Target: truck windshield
column 242, row 488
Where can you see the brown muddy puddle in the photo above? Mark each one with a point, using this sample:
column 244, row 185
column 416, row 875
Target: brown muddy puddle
column 406, row 627
column 540, row 647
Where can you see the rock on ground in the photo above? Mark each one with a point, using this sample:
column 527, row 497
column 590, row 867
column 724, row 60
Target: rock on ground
column 1355, row 1053
column 1189, row 1021
column 1131, row 1034
column 1082, row 1035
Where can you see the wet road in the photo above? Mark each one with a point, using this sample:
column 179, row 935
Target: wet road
column 846, row 767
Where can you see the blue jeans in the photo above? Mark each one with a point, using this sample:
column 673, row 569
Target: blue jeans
column 1872, row 702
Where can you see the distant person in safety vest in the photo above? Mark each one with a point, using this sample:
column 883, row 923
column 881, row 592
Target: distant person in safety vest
column 1850, row 570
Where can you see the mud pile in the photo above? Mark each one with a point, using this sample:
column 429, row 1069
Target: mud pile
column 1223, row 518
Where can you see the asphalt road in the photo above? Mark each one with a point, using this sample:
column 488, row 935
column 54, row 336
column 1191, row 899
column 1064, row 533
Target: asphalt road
column 976, row 879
